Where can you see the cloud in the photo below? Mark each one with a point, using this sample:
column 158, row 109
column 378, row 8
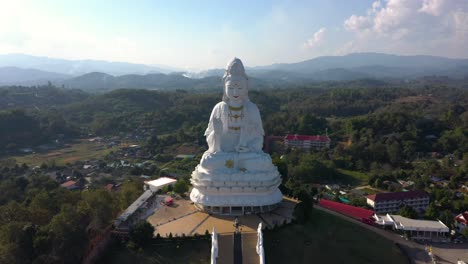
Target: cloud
column 357, row 23
column 436, row 27
column 316, row 39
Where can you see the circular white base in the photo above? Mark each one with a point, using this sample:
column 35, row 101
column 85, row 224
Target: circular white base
column 236, row 199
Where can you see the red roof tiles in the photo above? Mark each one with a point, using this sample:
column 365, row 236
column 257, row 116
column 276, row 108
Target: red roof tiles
column 349, row 210
column 68, row 184
column 397, row 196
column 305, row 137
column 462, row 218
column 109, row 187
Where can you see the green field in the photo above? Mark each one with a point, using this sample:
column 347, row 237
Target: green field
column 81, row 150
column 370, row 191
column 329, row 239
column 354, row 177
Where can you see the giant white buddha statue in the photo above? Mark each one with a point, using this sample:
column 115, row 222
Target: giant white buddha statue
column 235, row 176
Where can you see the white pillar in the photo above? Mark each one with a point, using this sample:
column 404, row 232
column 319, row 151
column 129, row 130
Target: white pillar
column 214, row 246
column 260, row 249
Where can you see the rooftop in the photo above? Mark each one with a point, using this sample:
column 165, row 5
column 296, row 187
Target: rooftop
column 109, row 187
column 462, row 218
column 349, row 210
column 417, row 225
column 397, row 196
column 135, row 205
column 160, row 182
column 306, row 137
column 68, row 184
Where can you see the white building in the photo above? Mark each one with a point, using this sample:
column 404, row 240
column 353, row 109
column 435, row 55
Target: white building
column 306, row 142
column 392, row 202
column 419, row 229
column 159, row 183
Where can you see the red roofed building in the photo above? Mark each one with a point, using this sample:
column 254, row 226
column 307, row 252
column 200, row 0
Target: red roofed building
column 306, row 142
column 461, row 221
column 70, row 185
column 349, row 210
column 392, row 202
column 110, row 187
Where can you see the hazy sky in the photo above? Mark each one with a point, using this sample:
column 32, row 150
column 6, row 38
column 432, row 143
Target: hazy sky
column 197, row 34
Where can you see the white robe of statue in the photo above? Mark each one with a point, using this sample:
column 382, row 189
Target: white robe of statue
column 234, row 171
column 235, row 133
column 221, row 138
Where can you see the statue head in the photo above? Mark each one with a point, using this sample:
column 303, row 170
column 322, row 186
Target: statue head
column 235, row 82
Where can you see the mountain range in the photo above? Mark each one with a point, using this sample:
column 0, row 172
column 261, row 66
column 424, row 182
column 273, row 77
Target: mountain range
column 91, row 75
column 79, row 67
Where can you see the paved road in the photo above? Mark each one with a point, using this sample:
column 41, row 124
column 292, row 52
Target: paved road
column 446, row 253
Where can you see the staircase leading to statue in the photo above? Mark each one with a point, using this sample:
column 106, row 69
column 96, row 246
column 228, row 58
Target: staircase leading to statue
column 225, row 251
column 249, row 247
column 237, row 248
column 231, row 249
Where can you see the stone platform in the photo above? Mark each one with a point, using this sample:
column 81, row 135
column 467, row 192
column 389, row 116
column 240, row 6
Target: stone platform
column 183, row 218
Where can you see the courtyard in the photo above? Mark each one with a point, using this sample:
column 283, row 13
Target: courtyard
column 182, row 218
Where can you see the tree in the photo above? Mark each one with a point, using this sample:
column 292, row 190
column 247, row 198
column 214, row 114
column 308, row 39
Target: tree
column 99, row 205
column 446, row 217
column 142, row 233
column 16, row 243
column 431, row 212
column 407, row 211
column 361, row 202
column 128, row 193
column 299, row 213
column 181, row 186
column 394, row 153
column 465, row 232
column 67, row 233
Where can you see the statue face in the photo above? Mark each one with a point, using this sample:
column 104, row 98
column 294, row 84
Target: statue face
column 236, row 90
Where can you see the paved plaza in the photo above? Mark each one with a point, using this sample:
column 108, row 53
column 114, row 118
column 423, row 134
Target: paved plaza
column 182, row 218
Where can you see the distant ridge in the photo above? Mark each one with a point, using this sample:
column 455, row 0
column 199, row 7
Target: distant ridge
column 18, row 76
column 78, row 67
column 356, row 66
column 369, row 63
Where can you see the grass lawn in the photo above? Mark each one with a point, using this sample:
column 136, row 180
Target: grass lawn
column 370, row 191
column 187, row 252
column 328, row 239
column 354, row 177
column 81, row 150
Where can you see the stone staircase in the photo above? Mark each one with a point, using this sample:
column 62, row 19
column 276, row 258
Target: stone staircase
column 237, row 248
column 249, row 245
column 225, row 249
